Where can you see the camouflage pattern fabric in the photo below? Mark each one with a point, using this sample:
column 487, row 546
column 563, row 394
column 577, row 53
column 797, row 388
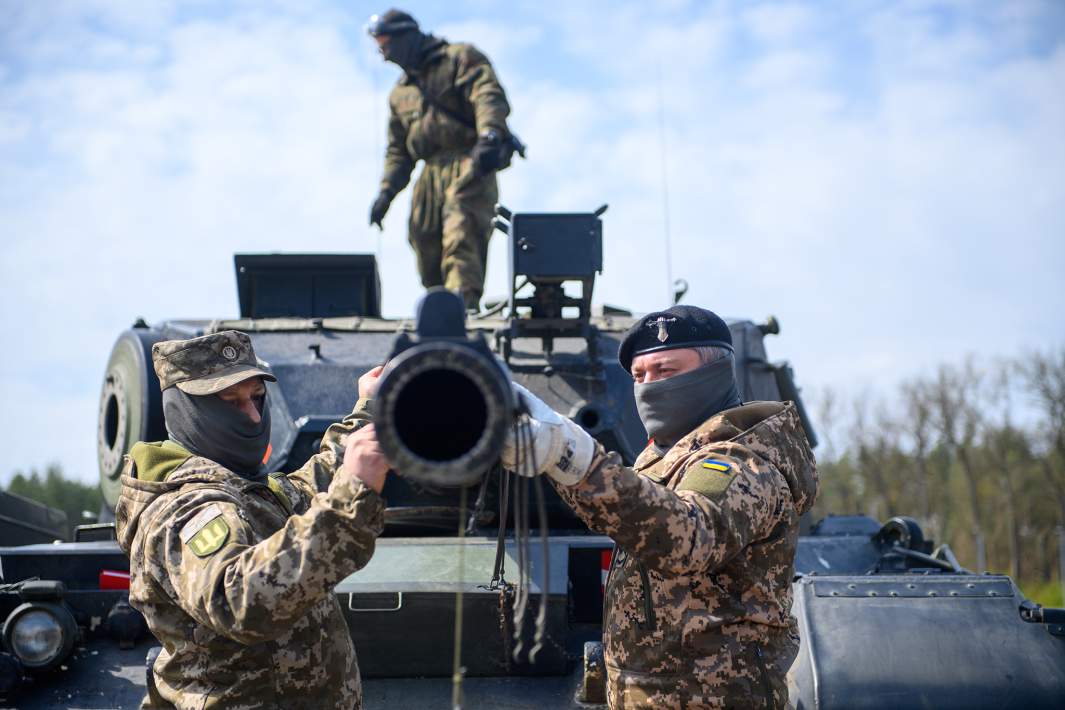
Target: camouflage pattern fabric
column 450, row 223
column 236, row 578
column 698, row 600
column 207, row 364
column 452, row 208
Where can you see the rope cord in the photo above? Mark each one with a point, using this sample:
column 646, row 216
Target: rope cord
column 521, row 539
column 545, row 573
column 457, row 670
column 521, row 500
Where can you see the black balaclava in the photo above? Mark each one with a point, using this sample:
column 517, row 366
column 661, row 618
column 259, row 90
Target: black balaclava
column 214, row 429
column 405, row 49
column 672, row 407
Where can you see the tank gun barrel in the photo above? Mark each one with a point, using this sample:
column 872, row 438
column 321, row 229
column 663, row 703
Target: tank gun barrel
column 443, row 403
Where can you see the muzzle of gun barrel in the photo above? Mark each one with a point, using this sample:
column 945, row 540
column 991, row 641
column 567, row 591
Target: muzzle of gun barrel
column 442, row 412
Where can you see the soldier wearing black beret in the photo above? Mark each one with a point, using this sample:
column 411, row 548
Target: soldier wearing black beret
column 676, row 327
column 698, row 600
column 681, row 360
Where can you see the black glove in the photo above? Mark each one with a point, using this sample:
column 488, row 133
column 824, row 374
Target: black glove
column 379, row 208
column 486, row 153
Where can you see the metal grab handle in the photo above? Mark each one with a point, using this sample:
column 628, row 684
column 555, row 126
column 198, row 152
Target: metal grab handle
column 397, row 607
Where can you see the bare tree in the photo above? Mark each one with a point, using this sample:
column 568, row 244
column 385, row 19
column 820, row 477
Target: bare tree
column 839, row 492
column 918, row 425
column 1044, row 377
column 828, row 418
column 868, row 489
column 1001, row 440
column 954, row 398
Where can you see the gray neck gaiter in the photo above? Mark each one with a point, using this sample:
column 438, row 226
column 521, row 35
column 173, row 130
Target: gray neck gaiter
column 672, row 407
column 216, row 430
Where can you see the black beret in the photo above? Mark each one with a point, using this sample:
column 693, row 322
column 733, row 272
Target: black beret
column 676, row 327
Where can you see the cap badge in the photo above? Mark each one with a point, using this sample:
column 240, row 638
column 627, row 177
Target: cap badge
column 663, row 334
column 229, row 352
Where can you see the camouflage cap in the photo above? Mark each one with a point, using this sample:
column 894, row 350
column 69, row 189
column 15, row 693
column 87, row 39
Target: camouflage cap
column 207, row 364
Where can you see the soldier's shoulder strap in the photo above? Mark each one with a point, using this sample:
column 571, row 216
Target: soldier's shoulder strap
column 431, row 100
column 510, row 139
column 283, row 490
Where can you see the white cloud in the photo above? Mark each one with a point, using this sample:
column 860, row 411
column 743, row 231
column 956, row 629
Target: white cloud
column 779, row 23
column 887, row 181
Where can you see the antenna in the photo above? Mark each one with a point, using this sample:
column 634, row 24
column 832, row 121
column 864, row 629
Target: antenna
column 662, row 152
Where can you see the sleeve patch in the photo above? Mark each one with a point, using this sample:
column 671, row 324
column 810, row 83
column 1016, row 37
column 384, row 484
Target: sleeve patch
column 211, row 538
column 711, row 477
column 200, row 521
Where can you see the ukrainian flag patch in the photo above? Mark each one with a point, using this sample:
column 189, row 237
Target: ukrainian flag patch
column 711, row 477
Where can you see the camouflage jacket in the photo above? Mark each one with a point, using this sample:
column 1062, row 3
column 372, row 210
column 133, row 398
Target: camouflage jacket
column 698, row 600
column 458, row 77
column 235, row 578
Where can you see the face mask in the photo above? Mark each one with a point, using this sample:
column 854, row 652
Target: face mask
column 672, row 407
column 216, row 430
column 405, row 49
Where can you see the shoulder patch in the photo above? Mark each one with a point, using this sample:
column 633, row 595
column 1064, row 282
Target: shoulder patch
column 207, row 532
column 199, row 521
column 211, row 538
column 711, row 477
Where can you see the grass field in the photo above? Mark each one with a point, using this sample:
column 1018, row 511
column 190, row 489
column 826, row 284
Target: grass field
column 1045, row 592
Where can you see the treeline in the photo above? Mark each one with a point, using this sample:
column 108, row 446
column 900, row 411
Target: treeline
column 56, row 491
column 974, row 452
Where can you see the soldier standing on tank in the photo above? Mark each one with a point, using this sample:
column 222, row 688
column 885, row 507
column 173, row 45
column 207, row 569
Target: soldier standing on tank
column 698, row 599
column 448, row 110
column 234, row 569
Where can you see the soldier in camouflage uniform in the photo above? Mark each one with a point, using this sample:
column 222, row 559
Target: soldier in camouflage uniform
column 698, row 598
column 234, row 570
column 448, row 110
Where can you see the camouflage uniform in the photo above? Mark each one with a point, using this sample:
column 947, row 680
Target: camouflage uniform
column 698, row 599
column 452, row 207
column 235, row 577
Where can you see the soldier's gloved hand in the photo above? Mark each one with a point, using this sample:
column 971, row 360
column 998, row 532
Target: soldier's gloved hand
column 563, row 450
column 379, row 208
column 486, row 153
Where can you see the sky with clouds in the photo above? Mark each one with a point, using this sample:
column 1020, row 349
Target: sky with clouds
column 887, row 178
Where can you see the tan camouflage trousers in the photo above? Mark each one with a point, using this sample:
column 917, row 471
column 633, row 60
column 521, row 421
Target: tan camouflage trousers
column 450, row 224
column 726, row 675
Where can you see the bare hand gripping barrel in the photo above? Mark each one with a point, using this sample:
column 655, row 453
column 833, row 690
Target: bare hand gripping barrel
column 444, row 402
